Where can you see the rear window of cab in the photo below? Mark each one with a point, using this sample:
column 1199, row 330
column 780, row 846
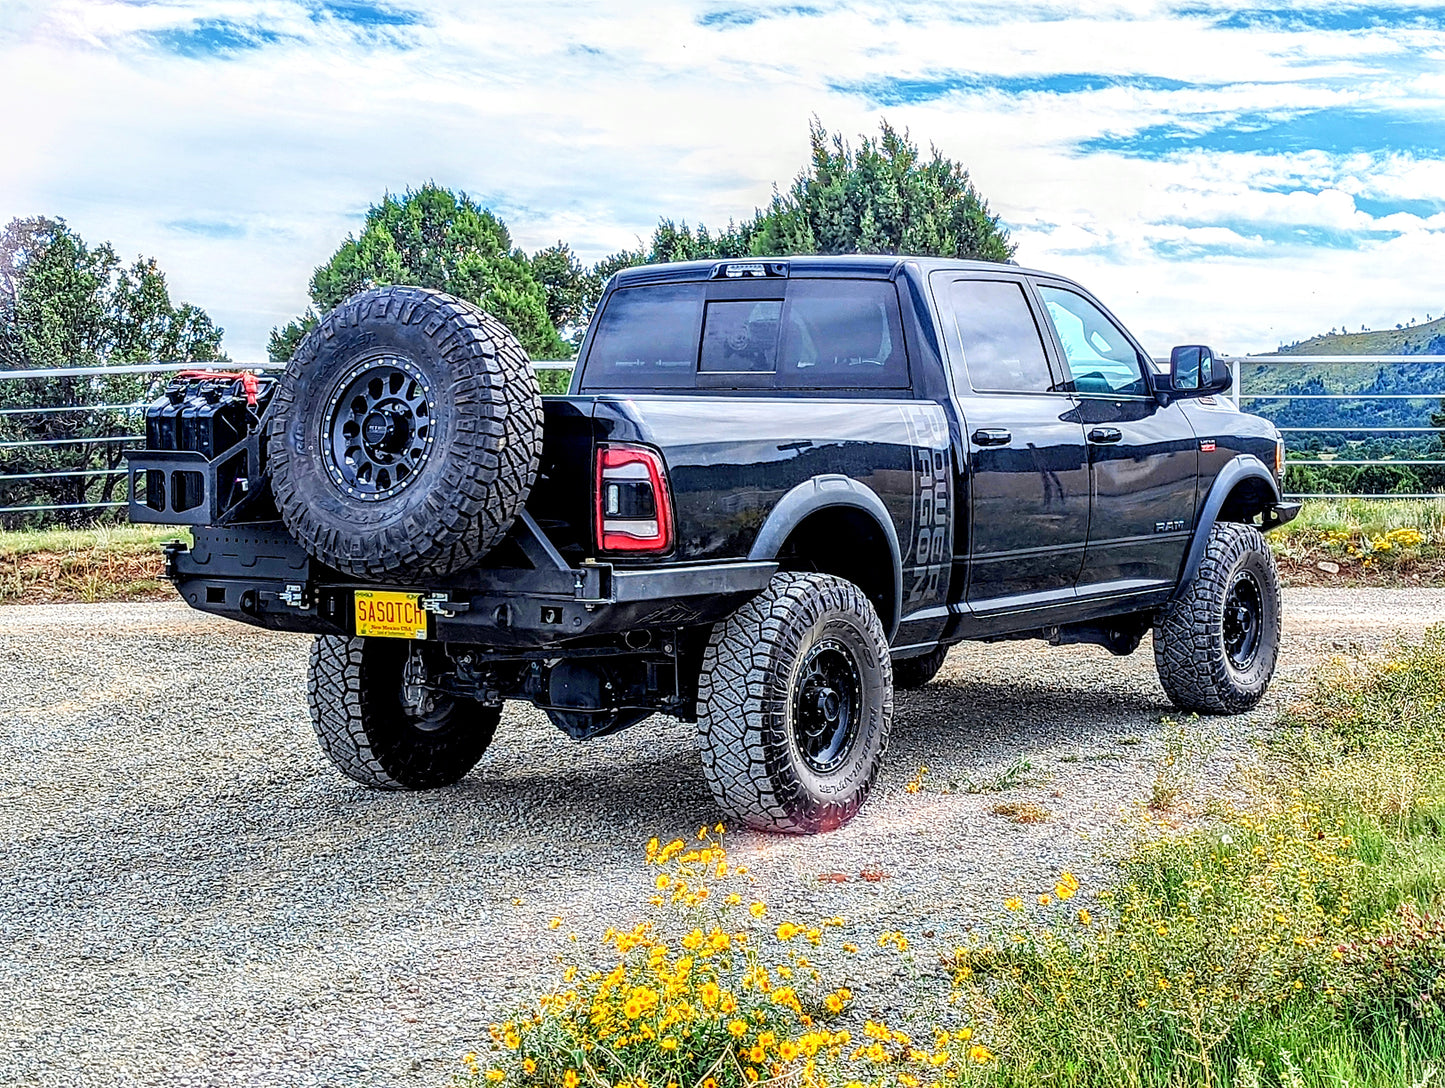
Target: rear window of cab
column 788, row 334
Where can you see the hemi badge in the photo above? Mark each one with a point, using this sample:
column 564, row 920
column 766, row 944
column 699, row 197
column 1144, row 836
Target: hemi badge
column 1206, row 445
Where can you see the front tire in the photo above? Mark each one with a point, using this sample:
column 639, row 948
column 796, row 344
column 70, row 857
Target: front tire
column 795, row 703
column 1216, row 646
column 354, row 689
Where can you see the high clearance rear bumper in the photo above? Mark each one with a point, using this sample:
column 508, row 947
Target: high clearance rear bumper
column 257, row 574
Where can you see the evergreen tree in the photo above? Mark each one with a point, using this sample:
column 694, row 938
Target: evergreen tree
column 65, row 304
column 885, row 197
column 433, row 237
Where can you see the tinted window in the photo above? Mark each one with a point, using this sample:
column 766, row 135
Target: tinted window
column 1002, row 348
column 1101, row 358
column 843, row 334
column 740, row 335
column 646, row 338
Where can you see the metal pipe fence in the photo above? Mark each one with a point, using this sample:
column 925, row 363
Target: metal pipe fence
column 129, row 412
column 158, row 373
column 1243, row 398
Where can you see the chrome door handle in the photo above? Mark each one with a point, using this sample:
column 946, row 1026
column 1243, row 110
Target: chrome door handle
column 992, row 436
column 1106, row 434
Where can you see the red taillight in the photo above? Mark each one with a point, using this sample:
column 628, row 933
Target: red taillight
column 632, row 504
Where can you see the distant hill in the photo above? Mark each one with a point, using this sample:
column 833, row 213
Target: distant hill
column 1423, row 382
column 1426, row 339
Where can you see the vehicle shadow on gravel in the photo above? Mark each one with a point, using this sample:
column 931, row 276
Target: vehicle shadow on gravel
column 975, row 722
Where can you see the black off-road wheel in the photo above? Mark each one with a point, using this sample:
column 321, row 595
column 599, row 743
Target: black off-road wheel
column 374, row 733
column 405, row 434
column 1216, row 646
column 795, row 702
column 914, row 672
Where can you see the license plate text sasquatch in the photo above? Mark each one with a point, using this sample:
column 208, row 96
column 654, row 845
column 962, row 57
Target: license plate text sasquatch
column 390, row 615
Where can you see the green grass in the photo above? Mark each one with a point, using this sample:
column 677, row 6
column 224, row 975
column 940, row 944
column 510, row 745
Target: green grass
column 1380, row 540
column 99, row 537
column 1373, row 517
column 102, row 563
column 1298, row 941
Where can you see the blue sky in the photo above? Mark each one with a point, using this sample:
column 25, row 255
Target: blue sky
column 1227, row 173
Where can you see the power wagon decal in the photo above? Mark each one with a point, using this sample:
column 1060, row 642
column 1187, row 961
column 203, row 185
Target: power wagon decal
column 928, row 556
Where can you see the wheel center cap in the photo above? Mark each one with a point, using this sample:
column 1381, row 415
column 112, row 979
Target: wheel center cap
column 827, row 703
column 384, row 430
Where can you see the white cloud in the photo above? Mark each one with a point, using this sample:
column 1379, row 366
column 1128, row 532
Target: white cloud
column 586, row 122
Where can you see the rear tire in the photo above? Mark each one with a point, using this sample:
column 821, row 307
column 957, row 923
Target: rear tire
column 354, row 692
column 914, row 672
column 405, row 434
column 795, row 703
column 1216, row 646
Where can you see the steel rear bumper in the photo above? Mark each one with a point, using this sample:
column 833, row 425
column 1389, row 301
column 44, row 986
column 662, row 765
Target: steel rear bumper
column 257, row 574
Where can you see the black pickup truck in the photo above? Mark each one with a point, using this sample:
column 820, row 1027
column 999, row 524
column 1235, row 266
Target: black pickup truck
column 776, row 490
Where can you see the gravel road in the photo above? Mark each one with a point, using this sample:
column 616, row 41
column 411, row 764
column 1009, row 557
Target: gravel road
column 189, row 896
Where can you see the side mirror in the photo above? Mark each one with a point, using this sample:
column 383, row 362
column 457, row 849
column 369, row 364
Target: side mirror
column 1195, row 372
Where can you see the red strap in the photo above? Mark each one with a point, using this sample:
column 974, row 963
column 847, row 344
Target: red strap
column 250, row 384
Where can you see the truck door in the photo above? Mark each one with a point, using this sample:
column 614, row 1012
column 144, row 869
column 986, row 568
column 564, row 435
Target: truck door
column 1143, row 458
column 1027, row 470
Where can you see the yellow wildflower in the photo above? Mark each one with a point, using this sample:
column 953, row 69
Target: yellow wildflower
column 1067, row 885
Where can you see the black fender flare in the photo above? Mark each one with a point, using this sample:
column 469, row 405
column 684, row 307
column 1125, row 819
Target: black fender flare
column 820, row 493
column 1243, row 467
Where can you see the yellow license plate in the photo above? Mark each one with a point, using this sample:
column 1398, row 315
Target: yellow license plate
column 390, row 615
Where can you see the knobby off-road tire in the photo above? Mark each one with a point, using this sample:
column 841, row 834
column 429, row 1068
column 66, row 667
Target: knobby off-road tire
column 914, row 672
column 771, row 673
column 1216, row 645
column 404, row 435
column 354, row 692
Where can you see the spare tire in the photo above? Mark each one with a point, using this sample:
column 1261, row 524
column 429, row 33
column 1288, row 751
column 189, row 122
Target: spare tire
column 404, row 435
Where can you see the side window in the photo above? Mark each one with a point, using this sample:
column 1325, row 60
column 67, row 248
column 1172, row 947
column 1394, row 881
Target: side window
column 1100, row 356
column 843, row 334
column 1002, row 347
column 646, row 339
column 740, row 335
